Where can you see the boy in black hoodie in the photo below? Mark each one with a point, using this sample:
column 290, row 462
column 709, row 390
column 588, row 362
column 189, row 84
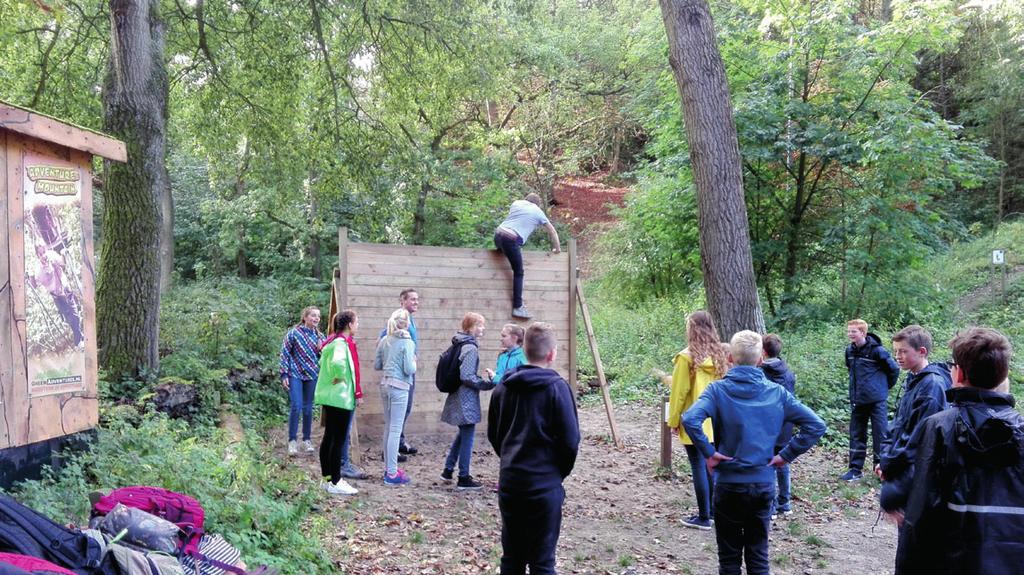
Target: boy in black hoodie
column 533, row 427
column 872, row 374
column 776, row 370
column 924, row 395
column 963, row 515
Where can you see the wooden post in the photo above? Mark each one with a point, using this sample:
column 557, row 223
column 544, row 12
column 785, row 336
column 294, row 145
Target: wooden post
column 573, row 279
column 340, row 296
column 666, row 436
column 599, row 367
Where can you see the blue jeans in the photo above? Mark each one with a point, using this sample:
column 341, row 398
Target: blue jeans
column 393, row 401
column 461, row 449
column 408, row 410
column 742, row 515
column 782, row 492
column 300, row 396
column 702, row 482
column 345, row 459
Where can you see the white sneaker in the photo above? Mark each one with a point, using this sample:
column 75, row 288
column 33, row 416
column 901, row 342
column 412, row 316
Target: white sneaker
column 339, row 488
column 307, row 445
column 293, row 447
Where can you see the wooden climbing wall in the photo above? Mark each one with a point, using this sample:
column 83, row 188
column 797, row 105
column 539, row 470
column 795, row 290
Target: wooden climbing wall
column 48, row 366
column 450, row 282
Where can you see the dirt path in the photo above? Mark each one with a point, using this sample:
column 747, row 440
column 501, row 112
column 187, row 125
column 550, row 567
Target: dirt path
column 987, row 292
column 620, row 517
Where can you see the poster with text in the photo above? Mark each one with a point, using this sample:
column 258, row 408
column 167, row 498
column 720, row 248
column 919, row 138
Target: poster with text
column 53, row 276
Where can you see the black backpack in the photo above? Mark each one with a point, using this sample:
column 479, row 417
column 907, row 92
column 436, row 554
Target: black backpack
column 447, row 378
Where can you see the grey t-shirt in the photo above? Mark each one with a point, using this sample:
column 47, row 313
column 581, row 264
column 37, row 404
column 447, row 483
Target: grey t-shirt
column 523, row 218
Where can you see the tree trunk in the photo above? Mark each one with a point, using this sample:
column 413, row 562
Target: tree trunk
column 714, row 154
column 134, row 110
column 419, row 226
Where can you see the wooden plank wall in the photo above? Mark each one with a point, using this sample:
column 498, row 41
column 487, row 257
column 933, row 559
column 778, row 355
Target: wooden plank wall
column 26, row 419
column 450, row 282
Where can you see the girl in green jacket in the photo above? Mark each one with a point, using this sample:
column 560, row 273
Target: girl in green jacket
column 336, row 392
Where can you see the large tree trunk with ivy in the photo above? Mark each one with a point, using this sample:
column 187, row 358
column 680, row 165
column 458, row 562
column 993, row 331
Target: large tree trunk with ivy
column 715, row 157
column 134, row 110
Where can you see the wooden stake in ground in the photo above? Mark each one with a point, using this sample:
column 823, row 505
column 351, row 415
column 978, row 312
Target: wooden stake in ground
column 339, row 300
column 599, row 367
column 666, row 436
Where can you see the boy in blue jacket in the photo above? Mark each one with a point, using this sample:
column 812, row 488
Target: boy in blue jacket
column 747, row 413
column 533, row 427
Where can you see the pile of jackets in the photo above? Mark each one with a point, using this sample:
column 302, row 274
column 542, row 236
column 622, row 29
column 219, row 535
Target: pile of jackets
column 123, row 538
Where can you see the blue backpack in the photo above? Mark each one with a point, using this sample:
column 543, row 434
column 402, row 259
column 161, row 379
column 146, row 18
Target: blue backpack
column 28, row 532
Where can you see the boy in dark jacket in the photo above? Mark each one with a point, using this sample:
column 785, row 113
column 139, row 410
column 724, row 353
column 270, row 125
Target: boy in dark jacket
column 776, row 370
column 747, row 412
column 533, row 427
column 964, row 514
column 923, row 395
column 872, row 374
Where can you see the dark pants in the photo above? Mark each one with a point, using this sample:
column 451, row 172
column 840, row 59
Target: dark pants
column 702, row 482
column 859, row 417
column 742, row 516
column 408, row 410
column 461, row 449
column 336, row 421
column 514, row 252
column 530, row 524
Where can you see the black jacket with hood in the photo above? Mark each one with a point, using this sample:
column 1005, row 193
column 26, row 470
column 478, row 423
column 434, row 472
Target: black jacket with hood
column 873, row 372
column 965, row 511
column 533, row 427
column 776, row 370
column 923, row 395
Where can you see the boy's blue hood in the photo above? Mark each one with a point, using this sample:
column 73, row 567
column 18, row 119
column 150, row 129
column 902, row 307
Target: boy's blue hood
column 743, row 381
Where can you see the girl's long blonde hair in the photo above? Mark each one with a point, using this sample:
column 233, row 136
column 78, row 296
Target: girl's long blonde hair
column 702, row 342
column 398, row 321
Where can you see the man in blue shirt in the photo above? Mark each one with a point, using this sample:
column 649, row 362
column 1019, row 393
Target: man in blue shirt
column 524, row 216
column 747, row 412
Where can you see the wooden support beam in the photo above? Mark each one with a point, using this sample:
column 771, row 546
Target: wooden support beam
column 340, row 296
column 666, row 437
column 592, row 340
column 573, row 280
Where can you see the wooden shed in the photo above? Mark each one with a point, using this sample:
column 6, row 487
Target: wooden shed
column 450, row 282
column 48, row 367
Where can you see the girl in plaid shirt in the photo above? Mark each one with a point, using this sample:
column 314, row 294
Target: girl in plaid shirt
column 300, row 364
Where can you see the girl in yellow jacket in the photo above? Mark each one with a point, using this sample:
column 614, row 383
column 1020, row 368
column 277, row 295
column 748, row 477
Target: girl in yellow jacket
column 704, row 360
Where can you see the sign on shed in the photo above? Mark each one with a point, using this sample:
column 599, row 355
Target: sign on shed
column 48, row 367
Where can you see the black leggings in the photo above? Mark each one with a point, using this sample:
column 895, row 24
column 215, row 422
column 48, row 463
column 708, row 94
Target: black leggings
column 336, row 422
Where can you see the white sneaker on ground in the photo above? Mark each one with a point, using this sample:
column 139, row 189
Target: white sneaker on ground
column 307, row 445
column 293, row 447
column 339, row 488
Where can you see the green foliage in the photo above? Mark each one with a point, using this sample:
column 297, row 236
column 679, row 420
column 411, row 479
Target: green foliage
column 635, row 340
column 257, row 504
column 225, row 334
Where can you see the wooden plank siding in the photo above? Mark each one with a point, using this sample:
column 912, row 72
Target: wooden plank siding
column 30, row 419
column 450, row 282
